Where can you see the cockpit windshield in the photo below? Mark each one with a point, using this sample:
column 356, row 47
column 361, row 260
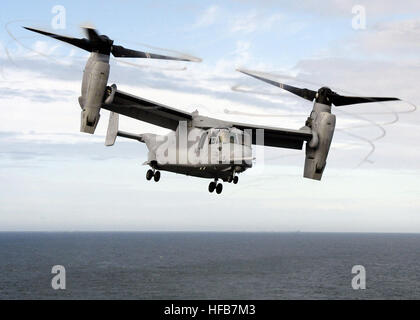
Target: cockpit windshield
column 224, row 137
column 221, row 136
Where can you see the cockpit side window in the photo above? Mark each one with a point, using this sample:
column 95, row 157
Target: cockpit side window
column 213, row 140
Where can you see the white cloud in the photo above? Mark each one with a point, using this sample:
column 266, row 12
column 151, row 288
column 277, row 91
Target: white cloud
column 208, row 18
column 396, row 38
column 253, row 21
column 340, row 8
column 57, row 119
column 245, row 23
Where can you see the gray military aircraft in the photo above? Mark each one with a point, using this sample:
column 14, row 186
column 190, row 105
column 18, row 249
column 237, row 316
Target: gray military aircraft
column 199, row 146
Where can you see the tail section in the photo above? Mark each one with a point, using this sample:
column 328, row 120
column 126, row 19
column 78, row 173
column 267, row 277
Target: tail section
column 112, row 132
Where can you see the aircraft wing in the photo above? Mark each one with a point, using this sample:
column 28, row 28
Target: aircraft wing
column 168, row 117
column 143, row 109
column 278, row 137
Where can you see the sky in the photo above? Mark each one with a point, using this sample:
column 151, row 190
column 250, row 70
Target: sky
column 54, row 178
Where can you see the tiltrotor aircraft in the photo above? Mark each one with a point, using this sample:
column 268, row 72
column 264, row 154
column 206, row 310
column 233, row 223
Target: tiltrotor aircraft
column 199, row 146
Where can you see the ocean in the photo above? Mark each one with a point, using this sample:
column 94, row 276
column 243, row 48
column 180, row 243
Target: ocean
column 187, row 265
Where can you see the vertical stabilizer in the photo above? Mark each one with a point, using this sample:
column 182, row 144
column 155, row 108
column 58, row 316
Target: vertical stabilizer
column 112, row 131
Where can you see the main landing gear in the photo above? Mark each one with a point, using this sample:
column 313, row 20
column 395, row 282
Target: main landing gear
column 153, row 174
column 215, row 186
column 233, row 179
column 219, row 187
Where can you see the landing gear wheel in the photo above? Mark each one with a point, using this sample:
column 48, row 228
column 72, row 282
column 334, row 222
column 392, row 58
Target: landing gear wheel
column 157, row 176
column 149, row 174
column 229, row 179
column 235, row 180
column 219, row 188
column 212, row 186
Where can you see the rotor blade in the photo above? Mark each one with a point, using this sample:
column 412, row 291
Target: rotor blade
column 339, row 100
column 121, row 52
column 80, row 43
column 91, row 33
column 303, row 93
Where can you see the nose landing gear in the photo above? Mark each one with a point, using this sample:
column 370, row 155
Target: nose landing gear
column 212, row 186
column 153, row 174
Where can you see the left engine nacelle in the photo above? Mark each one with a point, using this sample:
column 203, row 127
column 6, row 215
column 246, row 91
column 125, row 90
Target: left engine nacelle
column 95, row 79
column 323, row 126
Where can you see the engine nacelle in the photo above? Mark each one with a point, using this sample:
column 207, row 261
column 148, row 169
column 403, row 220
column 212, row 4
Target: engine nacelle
column 317, row 149
column 95, row 79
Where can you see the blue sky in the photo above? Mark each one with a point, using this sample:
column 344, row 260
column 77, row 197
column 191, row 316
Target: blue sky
column 203, row 28
column 55, row 178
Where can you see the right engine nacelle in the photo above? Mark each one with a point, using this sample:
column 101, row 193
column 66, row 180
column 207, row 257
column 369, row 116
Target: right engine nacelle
column 317, row 149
